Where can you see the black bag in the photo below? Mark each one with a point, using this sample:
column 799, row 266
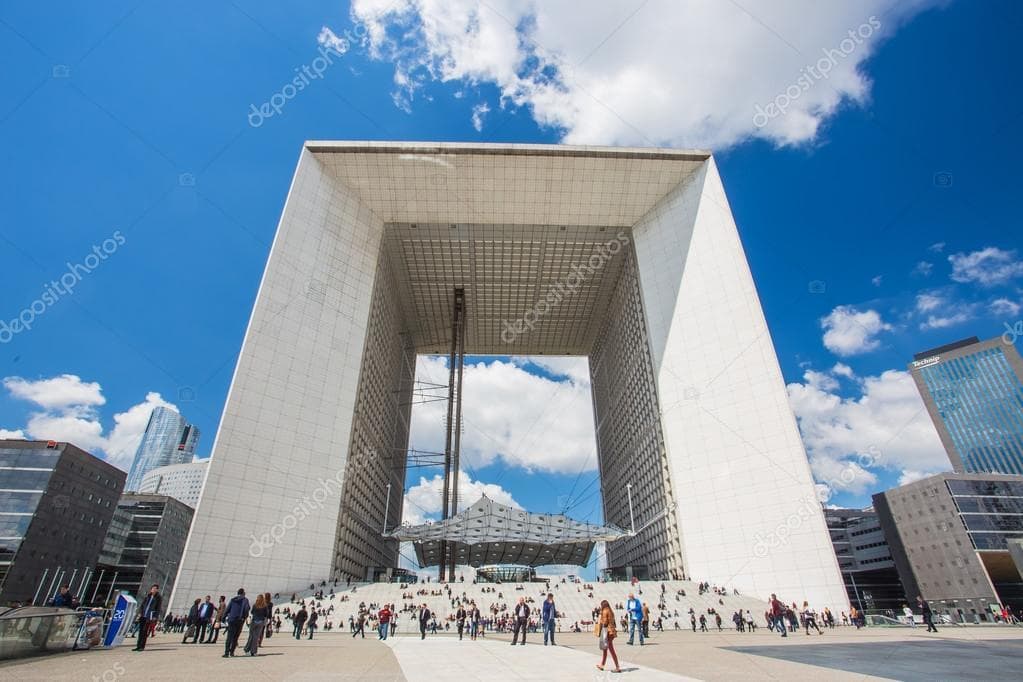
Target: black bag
column 269, row 629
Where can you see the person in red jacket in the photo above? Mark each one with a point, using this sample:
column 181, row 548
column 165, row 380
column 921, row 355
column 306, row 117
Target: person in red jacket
column 384, row 617
column 778, row 613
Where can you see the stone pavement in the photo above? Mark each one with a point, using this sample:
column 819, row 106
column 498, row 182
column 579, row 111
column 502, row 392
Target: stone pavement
column 974, row 653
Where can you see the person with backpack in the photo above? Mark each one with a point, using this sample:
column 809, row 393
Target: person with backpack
column 237, row 613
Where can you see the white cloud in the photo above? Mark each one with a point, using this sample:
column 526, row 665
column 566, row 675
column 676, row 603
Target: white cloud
column 945, row 321
column 663, row 74
column 909, row 476
column 987, row 267
column 511, row 415
column 423, row 500
column 59, row 392
column 1003, row 306
column 15, row 434
column 576, row 369
column 330, row 40
column 479, row 112
column 927, row 302
column 69, row 415
column 936, row 247
column 849, row 439
column 923, row 269
column 848, row 331
column 843, row 370
column 876, row 281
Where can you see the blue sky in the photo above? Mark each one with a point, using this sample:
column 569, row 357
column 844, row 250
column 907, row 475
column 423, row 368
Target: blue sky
column 878, row 205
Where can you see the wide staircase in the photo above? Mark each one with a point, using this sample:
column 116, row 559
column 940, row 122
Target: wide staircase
column 575, row 600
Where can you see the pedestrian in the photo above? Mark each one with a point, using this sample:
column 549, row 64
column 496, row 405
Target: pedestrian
column 299, row 622
column 928, row 615
column 521, row 621
column 63, row 599
column 549, row 617
column 606, row 634
column 908, row 613
column 192, row 621
column 424, row 620
column 311, row 623
column 385, row 622
column 810, row 619
column 460, row 616
column 206, row 611
column 268, row 631
column 360, row 625
column 260, row 617
column 148, row 617
column 778, row 615
column 634, row 610
column 237, row 612
column 646, row 622
column 218, row 618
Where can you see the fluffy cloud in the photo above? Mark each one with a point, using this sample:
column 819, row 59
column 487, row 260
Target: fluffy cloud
column 423, row 500
column 848, row 331
column 944, row 321
column 848, row 439
column 479, row 112
column 509, row 414
column 928, row 302
column 16, row 434
column 664, row 73
column 987, row 267
column 1003, row 306
column 59, row 392
column 69, row 415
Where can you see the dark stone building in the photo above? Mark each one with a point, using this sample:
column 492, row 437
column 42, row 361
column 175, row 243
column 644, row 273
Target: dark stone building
column 868, row 570
column 949, row 534
column 56, row 504
column 144, row 546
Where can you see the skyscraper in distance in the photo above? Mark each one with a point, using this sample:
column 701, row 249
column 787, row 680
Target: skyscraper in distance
column 973, row 391
column 168, row 439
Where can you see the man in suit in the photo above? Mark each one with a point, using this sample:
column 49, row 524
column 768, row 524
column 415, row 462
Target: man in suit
column 424, row 620
column 521, row 621
column 149, row 614
column 206, row 612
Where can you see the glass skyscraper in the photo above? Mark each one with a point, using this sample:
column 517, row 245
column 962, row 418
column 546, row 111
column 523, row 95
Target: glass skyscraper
column 973, row 391
column 168, row 439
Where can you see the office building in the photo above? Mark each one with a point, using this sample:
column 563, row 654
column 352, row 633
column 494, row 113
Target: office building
column 143, row 547
column 973, row 391
column 56, row 505
column 870, row 576
column 168, row 439
column 627, row 256
column 183, row 482
column 948, row 535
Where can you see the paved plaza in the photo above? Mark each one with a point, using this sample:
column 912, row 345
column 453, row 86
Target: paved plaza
column 981, row 653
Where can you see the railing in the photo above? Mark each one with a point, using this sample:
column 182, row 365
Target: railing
column 37, row 629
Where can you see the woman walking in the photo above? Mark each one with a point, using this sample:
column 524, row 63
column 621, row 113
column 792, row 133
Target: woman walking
column 607, row 633
column 260, row 615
